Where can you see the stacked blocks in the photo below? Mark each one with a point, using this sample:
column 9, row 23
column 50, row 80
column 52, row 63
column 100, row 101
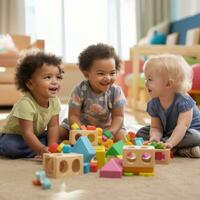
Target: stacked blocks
column 91, row 134
column 100, row 155
column 60, row 165
column 83, row 146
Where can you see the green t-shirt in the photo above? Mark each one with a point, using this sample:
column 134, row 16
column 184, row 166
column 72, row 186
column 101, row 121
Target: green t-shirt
column 27, row 108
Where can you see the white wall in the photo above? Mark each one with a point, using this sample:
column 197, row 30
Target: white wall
column 183, row 8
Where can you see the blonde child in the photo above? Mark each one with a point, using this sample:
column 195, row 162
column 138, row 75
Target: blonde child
column 175, row 118
column 96, row 100
column 38, row 76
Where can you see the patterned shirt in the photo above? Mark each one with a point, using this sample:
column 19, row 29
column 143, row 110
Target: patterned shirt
column 95, row 108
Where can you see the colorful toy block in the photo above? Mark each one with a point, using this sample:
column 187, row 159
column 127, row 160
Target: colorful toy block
column 93, row 166
column 86, row 168
column 75, row 126
column 116, row 149
column 42, row 180
column 138, row 159
column 100, row 155
column 76, row 134
column 138, row 141
column 108, row 134
column 91, row 128
column 66, row 148
column 83, row 146
column 100, row 131
column 53, row 148
column 112, row 169
column 60, row 165
column 162, row 156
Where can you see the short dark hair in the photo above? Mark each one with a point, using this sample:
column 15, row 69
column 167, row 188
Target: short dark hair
column 95, row 52
column 29, row 62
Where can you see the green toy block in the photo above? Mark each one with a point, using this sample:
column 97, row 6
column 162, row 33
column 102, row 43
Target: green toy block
column 116, row 149
column 108, row 134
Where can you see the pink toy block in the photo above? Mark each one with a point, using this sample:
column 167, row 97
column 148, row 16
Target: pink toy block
column 112, row 169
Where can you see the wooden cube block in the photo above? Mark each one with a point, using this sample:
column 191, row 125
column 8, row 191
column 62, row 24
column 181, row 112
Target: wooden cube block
column 92, row 135
column 138, row 159
column 59, row 165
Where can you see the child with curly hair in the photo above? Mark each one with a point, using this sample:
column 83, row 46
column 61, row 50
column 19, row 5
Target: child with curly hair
column 175, row 118
column 97, row 100
column 38, row 76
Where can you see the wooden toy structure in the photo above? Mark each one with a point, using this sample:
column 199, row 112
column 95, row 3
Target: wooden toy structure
column 60, row 165
column 138, row 159
column 162, row 156
column 92, row 135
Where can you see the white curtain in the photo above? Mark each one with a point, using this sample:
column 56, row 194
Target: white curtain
column 69, row 26
column 150, row 13
column 12, row 16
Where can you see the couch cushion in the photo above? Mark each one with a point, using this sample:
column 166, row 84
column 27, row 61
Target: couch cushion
column 7, row 76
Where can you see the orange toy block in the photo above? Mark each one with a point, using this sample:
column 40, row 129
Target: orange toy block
column 53, row 148
column 92, row 135
column 162, row 156
column 138, row 159
column 59, row 165
column 90, row 127
column 93, row 167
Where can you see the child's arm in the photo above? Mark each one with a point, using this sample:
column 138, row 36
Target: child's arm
column 183, row 123
column 53, row 130
column 156, row 130
column 74, row 116
column 30, row 138
column 117, row 120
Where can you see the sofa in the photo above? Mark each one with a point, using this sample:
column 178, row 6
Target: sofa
column 188, row 32
column 8, row 61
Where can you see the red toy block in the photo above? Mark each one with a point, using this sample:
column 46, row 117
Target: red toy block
column 53, row 148
column 83, row 127
column 90, row 127
column 93, row 167
column 36, row 182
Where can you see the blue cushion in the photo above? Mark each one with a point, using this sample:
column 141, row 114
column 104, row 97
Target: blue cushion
column 158, row 38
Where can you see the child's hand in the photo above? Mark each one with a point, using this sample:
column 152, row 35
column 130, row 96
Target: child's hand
column 168, row 145
column 154, row 138
column 44, row 149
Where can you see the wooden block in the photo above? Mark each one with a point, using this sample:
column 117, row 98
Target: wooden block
column 59, row 165
column 162, row 156
column 138, row 158
column 92, row 135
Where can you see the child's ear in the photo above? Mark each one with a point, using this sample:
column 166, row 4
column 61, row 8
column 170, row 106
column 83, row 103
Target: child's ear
column 169, row 83
column 85, row 73
column 29, row 84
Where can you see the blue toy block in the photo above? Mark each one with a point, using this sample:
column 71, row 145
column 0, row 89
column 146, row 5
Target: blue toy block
column 46, row 183
column 86, row 168
column 66, row 148
column 83, row 146
column 139, row 141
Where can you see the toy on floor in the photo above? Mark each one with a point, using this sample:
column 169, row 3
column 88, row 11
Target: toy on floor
column 162, row 155
column 139, row 160
column 89, row 131
column 60, row 165
column 42, row 180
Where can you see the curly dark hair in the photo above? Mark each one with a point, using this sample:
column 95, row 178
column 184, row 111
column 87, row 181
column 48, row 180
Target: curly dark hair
column 95, row 52
column 29, row 62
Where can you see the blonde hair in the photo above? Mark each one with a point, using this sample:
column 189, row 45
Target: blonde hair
column 172, row 67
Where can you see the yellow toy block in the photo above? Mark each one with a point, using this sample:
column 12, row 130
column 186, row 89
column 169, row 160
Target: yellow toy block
column 100, row 131
column 138, row 159
column 100, row 155
column 75, row 126
column 99, row 140
column 91, row 134
column 162, row 156
column 108, row 143
column 60, row 147
column 59, row 165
